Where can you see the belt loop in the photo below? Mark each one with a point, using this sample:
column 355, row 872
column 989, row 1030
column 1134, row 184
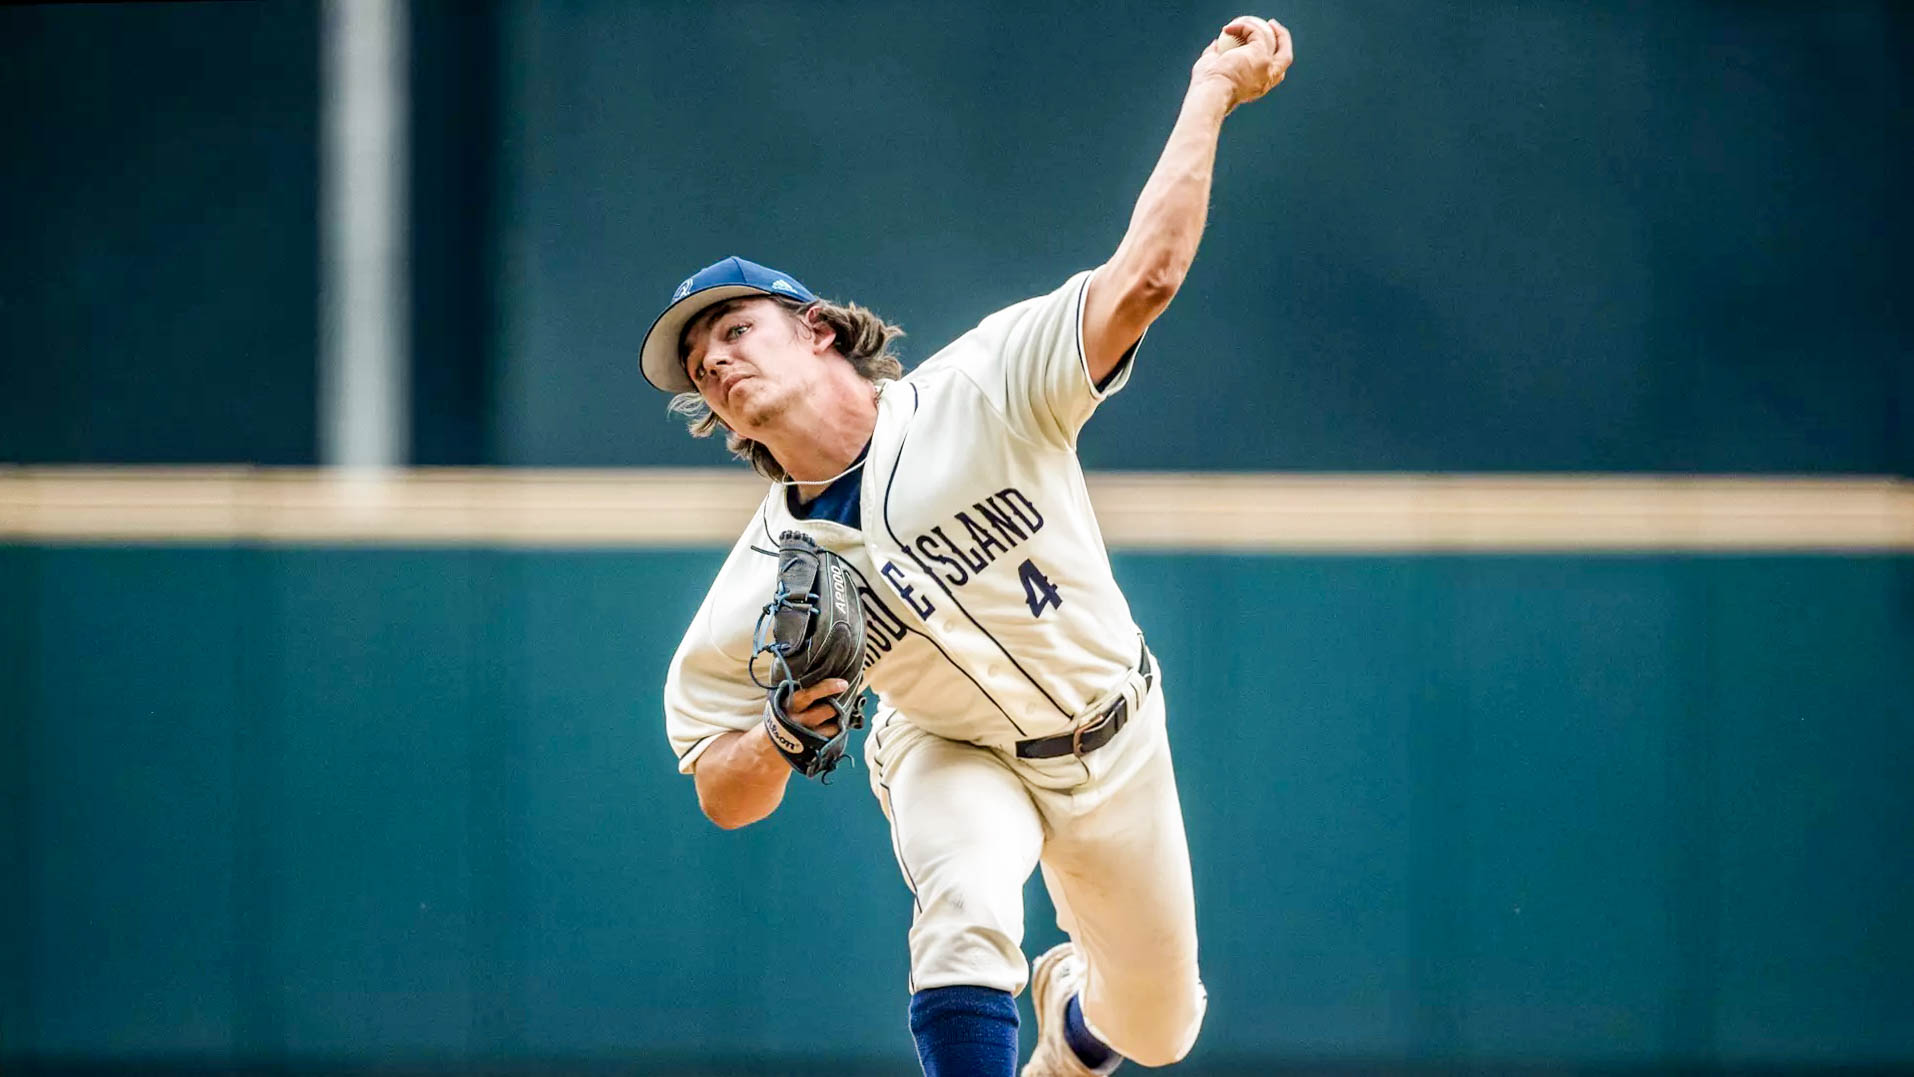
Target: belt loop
column 1126, row 707
column 1145, row 675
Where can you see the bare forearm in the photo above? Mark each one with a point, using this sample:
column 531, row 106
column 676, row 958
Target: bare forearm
column 1246, row 61
column 1140, row 279
column 740, row 778
column 1168, row 221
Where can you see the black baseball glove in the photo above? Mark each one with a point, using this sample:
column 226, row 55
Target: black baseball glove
column 812, row 630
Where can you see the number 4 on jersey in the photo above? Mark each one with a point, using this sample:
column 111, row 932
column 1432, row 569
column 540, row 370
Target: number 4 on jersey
column 1038, row 591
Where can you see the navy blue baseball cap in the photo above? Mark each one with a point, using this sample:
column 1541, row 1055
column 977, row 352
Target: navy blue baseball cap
column 715, row 283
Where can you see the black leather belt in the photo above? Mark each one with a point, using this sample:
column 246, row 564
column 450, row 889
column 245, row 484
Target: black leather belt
column 1093, row 734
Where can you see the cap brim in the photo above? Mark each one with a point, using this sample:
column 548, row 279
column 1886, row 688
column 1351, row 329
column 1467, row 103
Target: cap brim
column 658, row 357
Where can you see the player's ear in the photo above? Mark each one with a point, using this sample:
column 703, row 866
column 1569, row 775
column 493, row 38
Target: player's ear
column 821, row 333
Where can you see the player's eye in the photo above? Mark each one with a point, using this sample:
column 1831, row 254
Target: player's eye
column 736, row 330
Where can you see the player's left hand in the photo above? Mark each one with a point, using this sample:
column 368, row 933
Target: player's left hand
column 1250, row 58
column 811, row 708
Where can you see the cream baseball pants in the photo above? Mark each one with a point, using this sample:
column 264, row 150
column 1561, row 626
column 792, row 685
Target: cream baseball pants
column 969, row 822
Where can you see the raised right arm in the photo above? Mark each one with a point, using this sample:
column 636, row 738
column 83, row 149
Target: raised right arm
column 1130, row 290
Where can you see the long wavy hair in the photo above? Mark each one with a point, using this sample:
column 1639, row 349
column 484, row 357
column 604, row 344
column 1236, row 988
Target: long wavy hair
column 863, row 339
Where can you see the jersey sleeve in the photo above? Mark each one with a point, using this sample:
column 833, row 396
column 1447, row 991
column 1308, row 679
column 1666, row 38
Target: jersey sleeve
column 1029, row 359
column 708, row 689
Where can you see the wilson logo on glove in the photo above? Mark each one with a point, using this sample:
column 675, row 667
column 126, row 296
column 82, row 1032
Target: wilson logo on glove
column 785, row 742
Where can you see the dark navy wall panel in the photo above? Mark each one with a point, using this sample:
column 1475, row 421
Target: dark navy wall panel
column 1459, row 237
column 1528, row 236
column 159, row 198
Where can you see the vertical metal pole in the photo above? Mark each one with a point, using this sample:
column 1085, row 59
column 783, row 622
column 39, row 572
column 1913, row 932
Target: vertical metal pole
column 364, row 303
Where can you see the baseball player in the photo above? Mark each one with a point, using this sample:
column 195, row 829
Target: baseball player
column 1020, row 715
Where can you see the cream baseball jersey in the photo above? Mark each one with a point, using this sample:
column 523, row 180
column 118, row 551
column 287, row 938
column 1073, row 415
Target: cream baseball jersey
column 992, row 615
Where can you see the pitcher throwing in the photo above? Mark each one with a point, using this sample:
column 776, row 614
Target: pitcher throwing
column 1020, row 714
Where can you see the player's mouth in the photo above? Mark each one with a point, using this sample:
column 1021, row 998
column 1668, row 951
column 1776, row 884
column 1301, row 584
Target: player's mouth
column 730, row 381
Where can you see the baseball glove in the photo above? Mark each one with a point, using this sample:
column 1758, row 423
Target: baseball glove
column 813, row 630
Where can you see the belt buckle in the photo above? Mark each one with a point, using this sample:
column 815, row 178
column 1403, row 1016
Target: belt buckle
column 1091, row 726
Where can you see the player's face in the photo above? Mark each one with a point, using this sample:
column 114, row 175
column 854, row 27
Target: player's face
column 750, row 359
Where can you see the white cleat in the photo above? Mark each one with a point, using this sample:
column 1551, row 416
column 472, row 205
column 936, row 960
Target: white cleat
column 1053, row 982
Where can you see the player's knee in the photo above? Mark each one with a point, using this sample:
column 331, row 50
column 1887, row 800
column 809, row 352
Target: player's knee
column 1166, row 1052
column 1160, row 1030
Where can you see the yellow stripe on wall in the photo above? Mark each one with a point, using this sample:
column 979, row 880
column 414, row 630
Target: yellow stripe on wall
column 1138, row 510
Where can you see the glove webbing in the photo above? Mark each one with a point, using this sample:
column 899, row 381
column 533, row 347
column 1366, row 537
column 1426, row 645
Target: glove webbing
column 809, row 752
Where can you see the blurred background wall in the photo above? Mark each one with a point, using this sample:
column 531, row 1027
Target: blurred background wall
column 1504, row 236
column 298, row 803
column 369, row 806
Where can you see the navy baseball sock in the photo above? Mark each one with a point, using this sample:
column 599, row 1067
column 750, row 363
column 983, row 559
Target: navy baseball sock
column 965, row 1031
column 1089, row 1050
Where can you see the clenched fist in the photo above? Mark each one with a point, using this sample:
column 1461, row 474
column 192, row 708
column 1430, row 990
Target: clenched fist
column 1250, row 57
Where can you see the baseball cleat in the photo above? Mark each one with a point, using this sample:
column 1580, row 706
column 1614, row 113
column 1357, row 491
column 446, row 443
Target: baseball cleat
column 1053, row 983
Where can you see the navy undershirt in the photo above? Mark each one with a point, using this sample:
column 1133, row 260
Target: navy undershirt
column 1122, row 365
column 841, row 502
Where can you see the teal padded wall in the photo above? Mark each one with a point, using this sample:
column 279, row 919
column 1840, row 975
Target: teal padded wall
column 369, row 806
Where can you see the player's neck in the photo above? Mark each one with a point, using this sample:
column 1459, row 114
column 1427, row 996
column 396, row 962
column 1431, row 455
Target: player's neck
column 821, row 441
